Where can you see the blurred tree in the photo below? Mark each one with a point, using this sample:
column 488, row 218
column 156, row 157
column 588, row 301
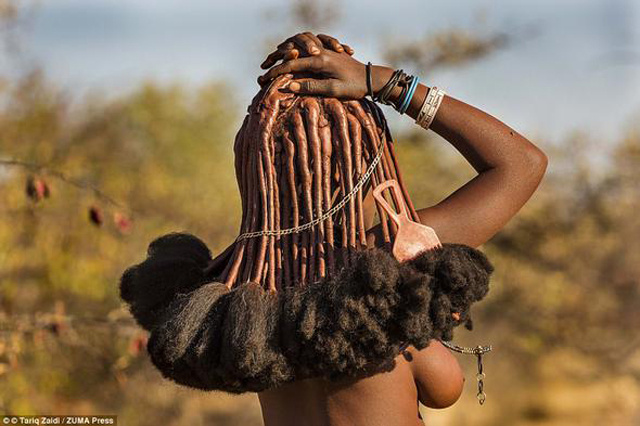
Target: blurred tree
column 445, row 48
column 165, row 154
column 313, row 15
column 300, row 16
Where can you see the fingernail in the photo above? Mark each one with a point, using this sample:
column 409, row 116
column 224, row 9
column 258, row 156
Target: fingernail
column 314, row 50
column 294, row 86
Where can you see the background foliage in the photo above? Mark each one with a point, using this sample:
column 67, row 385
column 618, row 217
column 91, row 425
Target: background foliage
column 86, row 186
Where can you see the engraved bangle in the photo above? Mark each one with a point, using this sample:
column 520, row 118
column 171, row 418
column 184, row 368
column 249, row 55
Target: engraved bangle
column 424, row 108
column 430, row 107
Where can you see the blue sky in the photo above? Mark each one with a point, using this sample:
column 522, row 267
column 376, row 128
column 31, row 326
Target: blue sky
column 580, row 71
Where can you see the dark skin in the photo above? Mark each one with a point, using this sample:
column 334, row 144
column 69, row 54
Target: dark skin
column 509, row 169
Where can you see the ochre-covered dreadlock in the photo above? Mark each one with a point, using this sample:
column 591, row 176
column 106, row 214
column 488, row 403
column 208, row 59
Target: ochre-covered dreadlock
column 295, row 156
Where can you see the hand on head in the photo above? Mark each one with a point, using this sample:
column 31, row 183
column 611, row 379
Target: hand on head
column 326, row 64
column 305, row 43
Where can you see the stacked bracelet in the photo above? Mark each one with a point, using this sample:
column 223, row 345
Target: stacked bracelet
column 398, row 78
column 430, row 107
column 406, row 100
column 409, row 85
column 384, row 93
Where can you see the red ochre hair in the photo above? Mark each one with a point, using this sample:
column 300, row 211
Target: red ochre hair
column 296, row 157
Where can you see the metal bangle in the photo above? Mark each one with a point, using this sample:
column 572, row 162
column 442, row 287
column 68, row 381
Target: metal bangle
column 384, row 93
column 404, row 82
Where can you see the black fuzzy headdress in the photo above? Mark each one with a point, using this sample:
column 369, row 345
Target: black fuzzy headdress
column 205, row 336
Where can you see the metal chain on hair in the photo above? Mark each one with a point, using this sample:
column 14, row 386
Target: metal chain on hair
column 358, row 186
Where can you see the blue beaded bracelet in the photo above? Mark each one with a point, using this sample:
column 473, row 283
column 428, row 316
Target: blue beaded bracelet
column 407, row 99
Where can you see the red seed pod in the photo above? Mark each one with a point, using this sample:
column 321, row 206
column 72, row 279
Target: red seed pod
column 42, row 188
column 95, row 215
column 123, row 223
column 37, row 188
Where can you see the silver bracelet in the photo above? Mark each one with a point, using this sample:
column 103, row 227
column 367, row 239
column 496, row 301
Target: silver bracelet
column 430, row 107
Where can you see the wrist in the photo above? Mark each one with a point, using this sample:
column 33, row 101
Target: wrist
column 380, row 75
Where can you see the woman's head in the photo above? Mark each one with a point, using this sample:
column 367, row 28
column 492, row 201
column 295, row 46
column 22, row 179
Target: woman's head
column 296, row 158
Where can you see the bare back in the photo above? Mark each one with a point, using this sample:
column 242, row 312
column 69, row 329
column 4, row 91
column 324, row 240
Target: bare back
column 431, row 376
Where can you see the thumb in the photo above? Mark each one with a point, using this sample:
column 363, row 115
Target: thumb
column 313, row 86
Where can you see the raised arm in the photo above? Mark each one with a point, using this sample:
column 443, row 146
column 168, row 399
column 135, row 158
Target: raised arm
column 509, row 170
column 509, row 166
